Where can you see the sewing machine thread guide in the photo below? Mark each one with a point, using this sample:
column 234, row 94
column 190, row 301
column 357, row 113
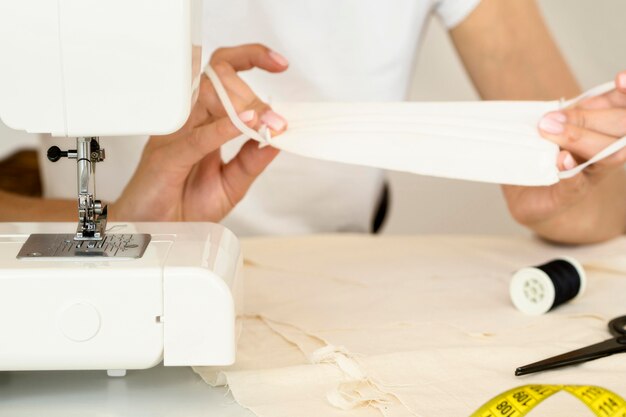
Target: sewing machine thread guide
column 118, row 246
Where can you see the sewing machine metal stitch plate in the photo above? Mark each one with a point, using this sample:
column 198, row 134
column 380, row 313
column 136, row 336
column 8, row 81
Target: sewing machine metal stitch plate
column 118, row 246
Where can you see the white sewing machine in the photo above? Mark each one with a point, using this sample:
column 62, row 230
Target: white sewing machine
column 143, row 293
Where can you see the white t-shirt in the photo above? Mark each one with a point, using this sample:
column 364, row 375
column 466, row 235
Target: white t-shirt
column 339, row 50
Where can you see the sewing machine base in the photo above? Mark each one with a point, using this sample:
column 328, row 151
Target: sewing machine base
column 92, row 310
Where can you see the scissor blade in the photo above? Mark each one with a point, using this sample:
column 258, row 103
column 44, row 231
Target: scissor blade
column 599, row 350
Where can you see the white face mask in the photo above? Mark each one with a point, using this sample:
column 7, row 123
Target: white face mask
column 487, row 141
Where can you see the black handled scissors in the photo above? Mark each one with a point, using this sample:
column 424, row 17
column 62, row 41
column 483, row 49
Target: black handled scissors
column 617, row 344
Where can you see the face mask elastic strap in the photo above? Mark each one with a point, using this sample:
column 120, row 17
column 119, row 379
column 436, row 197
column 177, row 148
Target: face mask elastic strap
column 230, row 109
column 595, row 91
column 605, row 153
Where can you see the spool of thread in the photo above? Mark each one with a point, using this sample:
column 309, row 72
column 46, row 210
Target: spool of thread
column 537, row 290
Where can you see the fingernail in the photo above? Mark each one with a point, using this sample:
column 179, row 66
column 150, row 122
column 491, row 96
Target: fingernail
column 569, row 162
column 246, row 116
column 274, row 120
column 550, row 125
column 621, row 80
column 557, row 116
column 279, row 59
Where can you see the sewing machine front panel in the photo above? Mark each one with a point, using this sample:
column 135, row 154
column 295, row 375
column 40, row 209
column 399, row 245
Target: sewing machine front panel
column 88, row 314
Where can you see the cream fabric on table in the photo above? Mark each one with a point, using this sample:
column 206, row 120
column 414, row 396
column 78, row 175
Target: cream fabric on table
column 402, row 326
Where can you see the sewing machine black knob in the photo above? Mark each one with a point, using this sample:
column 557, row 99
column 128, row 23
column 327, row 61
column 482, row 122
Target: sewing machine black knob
column 55, row 153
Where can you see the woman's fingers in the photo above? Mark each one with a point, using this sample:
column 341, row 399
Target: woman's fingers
column 199, row 115
column 620, row 82
column 610, row 121
column 615, row 98
column 226, row 62
column 246, row 57
column 584, row 133
column 192, row 147
column 569, row 191
column 241, row 171
column 242, row 98
column 240, row 94
column 565, row 161
column 581, row 142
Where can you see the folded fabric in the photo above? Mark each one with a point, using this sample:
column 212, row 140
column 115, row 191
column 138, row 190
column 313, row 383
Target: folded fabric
column 486, row 141
column 389, row 326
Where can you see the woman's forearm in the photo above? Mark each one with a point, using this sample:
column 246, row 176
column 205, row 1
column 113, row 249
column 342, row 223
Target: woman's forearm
column 17, row 208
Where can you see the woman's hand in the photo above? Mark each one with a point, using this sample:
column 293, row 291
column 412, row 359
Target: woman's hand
column 591, row 206
column 181, row 177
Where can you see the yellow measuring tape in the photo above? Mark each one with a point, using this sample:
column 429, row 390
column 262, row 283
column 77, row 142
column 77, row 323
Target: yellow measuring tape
column 519, row 401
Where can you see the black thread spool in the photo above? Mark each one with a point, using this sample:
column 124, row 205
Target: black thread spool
column 537, row 290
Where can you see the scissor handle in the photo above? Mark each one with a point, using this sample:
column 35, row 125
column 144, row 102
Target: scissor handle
column 617, row 326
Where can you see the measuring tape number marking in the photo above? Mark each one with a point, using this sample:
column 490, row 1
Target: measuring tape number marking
column 519, row 401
